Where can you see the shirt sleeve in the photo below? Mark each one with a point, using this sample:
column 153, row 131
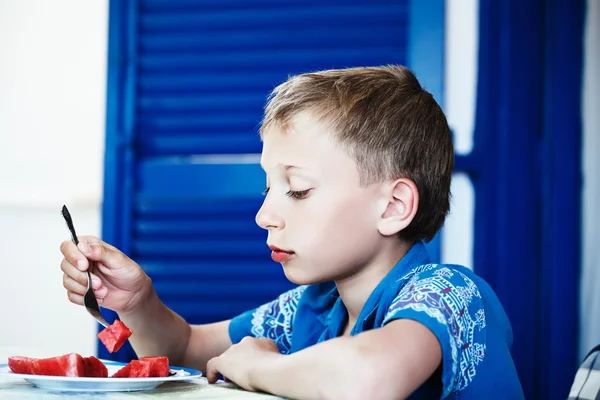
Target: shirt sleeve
column 449, row 304
column 272, row 320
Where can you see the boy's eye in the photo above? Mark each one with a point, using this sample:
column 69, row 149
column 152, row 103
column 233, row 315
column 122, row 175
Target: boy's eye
column 297, row 194
column 266, row 191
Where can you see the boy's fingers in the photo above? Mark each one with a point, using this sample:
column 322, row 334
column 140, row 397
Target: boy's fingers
column 73, row 286
column 212, row 374
column 73, row 255
column 96, row 250
column 73, row 272
column 100, row 293
column 75, row 298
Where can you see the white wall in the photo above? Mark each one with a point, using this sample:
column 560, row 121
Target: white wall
column 590, row 277
column 462, row 42
column 52, row 80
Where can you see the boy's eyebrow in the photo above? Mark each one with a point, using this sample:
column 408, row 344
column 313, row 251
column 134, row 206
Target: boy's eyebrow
column 294, row 168
column 289, row 167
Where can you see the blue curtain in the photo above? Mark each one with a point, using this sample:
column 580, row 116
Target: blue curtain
column 525, row 168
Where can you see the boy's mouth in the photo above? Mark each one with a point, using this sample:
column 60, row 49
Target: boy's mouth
column 280, row 255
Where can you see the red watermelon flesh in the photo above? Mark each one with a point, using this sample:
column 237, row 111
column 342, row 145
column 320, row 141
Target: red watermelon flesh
column 114, row 335
column 21, row 365
column 123, row 372
column 159, row 365
column 75, row 365
column 65, row 365
column 140, row 369
column 145, row 367
column 94, row 368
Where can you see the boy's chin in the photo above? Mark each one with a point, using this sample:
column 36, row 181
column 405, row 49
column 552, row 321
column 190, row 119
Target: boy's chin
column 301, row 276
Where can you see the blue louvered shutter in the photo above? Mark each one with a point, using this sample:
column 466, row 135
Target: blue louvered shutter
column 187, row 85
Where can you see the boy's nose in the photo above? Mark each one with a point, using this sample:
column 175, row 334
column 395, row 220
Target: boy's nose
column 266, row 219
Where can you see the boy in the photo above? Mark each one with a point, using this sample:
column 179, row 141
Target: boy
column 358, row 164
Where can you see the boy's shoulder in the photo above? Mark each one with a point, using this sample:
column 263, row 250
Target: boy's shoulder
column 455, row 304
column 467, row 318
column 440, row 279
column 428, row 287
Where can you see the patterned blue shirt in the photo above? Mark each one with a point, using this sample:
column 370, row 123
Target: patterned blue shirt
column 460, row 309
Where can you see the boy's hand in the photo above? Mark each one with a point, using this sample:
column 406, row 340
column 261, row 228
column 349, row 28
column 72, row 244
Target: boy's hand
column 242, row 361
column 118, row 282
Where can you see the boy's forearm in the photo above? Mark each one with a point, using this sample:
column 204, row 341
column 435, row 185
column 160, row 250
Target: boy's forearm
column 157, row 330
column 335, row 369
column 385, row 363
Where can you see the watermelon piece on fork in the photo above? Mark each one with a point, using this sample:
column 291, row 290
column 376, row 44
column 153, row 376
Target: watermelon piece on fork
column 114, row 336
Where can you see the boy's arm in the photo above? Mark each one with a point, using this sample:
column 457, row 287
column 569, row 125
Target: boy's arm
column 160, row 331
column 386, row 363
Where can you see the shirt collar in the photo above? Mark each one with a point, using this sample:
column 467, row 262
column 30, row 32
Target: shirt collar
column 417, row 255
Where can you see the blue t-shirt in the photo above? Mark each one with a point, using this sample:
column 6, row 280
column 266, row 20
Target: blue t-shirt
column 460, row 309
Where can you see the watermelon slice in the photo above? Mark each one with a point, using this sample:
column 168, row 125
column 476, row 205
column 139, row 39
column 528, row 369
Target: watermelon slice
column 21, row 365
column 140, row 369
column 71, row 364
column 66, row 365
column 145, row 367
column 159, row 365
column 123, row 372
column 94, row 368
column 114, row 336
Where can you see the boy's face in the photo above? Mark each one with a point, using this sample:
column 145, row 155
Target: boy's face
column 315, row 209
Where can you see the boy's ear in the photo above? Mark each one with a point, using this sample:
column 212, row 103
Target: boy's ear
column 402, row 202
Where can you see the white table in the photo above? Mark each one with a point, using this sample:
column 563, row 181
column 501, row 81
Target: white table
column 15, row 388
column 12, row 387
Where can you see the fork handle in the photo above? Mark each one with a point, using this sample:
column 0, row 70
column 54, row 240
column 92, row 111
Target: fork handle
column 89, row 279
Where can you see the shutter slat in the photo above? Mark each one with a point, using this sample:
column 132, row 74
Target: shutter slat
column 275, row 60
column 190, row 207
column 174, row 179
column 239, row 289
column 205, row 227
column 253, row 18
column 162, row 6
column 214, row 271
column 201, row 102
column 193, row 125
column 210, row 82
column 198, row 142
column 293, row 37
column 216, row 247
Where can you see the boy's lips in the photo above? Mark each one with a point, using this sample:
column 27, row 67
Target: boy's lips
column 280, row 255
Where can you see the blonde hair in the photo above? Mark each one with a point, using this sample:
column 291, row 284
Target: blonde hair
column 387, row 122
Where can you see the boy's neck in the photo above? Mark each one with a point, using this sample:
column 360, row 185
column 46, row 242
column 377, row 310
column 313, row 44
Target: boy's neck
column 356, row 289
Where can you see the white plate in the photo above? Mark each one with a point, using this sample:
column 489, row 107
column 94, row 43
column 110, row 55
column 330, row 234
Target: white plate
column 77, row 384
